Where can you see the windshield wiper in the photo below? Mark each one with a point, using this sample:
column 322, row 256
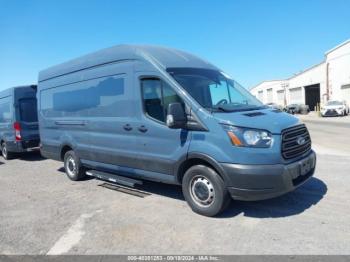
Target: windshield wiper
column 226, row 110
column 223, row 109
column 220, row 108
column 248, row 109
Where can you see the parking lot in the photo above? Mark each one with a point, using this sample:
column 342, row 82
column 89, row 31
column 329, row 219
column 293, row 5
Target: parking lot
column 42, row 212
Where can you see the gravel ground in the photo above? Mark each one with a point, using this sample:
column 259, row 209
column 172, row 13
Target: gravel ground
column 42, row 212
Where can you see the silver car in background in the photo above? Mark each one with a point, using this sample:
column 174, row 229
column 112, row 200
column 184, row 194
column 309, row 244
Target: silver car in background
column 335, row 108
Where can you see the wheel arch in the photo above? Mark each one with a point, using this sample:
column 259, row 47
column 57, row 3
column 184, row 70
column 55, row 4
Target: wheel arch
column 196, row 158
column 64, row 149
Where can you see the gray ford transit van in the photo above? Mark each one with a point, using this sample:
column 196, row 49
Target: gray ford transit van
column 19, row 131
column 142, row 112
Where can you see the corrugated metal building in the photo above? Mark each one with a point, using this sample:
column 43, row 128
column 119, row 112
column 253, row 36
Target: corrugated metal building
column 320, row 83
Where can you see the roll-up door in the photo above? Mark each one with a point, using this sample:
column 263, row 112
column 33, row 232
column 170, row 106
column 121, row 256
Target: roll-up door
column 261, row 95
column 269, row 95
column 345, row 93
column 280, row 97
column 295, row 95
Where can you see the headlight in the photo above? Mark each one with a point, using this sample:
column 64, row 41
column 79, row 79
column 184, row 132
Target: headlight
column 340, row 108
column 248, row 137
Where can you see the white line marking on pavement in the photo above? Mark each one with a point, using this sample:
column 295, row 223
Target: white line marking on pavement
column 72, row 237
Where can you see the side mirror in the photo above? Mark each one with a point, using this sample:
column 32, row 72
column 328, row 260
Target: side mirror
column 176, row 117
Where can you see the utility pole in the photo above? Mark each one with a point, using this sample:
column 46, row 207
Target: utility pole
column 284, row 85
column 327, row 81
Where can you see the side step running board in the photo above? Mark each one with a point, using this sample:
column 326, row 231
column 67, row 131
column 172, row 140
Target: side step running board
column 126, row 181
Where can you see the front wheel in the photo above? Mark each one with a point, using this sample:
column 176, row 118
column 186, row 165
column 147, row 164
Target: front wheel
column 74, row 170
column 205, row 191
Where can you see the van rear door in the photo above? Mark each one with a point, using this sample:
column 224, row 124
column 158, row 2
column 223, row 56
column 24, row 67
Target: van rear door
column 28, row 119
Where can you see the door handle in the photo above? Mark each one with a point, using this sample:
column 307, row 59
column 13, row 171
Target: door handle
column 143, row 129
column 127, row 127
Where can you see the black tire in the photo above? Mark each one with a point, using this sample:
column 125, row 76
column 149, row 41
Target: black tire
column 5, row 153
column 205, row 191
column 73, row 167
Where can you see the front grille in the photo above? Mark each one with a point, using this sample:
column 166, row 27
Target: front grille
column 290, row 137
column 331, row 112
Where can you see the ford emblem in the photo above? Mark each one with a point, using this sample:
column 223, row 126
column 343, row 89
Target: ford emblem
column 301, row 140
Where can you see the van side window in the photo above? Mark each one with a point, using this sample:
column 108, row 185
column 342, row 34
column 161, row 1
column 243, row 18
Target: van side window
column 99, row 97
column 5, row 110
column 157, row 95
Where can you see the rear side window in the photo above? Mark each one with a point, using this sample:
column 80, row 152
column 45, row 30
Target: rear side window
column 157, row 95
column 5, row 110
column 102, row 97
column 28, row 110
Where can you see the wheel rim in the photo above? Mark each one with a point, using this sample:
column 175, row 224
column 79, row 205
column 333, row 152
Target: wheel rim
column 202, row 191
column 4, row 151
column 71, row 166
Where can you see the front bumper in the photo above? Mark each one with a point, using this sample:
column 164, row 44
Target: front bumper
column 332, row 112
column 258, row 182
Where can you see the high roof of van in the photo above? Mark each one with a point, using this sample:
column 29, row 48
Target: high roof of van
column 162, row 56
column 9, row 91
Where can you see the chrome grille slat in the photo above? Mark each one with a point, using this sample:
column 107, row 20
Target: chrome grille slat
column 291, row 143
column 288, row 156
column 290, row 148
column 296, row 134
column 296, row 149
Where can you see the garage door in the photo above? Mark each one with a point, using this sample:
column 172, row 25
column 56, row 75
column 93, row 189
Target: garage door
column 345, row 93
column 280, row 97
column 261, row 96
column 269, row 95
column 295, row 95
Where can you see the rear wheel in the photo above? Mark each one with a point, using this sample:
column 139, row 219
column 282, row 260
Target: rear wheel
column 205, row 191
column 74, row 170
column 5, row 153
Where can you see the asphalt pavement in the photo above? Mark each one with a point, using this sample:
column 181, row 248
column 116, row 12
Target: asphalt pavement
column 42, row 212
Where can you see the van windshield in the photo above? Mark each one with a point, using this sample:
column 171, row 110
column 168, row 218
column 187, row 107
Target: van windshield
column 214, row 90
column 334, row 103
column 28, row 110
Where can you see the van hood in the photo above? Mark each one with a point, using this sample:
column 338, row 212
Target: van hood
column 272, row 120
